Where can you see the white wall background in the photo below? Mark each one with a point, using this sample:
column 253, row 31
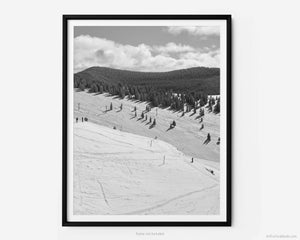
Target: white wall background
column 266, row 86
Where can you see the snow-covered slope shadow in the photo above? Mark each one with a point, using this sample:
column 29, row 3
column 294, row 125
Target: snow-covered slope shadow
column 122, row 173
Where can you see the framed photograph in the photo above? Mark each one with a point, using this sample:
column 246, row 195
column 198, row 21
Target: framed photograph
column 146, row 120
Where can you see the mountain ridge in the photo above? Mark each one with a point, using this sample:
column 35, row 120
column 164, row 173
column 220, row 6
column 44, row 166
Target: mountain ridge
column 196, row 78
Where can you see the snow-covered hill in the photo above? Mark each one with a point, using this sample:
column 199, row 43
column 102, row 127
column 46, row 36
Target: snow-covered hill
column 116, row 172
column 186, row 136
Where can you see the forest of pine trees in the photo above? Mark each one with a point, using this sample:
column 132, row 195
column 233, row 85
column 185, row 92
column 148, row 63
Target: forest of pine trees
column 157, row 97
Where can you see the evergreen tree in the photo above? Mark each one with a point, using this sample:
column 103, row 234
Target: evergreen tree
column 94, row 88
column 155, row 101
column 208, row 137
column 217, row 107
column 121, row 92
column 100, row 89
column 213, row 101
column 210, row 106
column 76, row 82
column 201, row 112
column 82, row 85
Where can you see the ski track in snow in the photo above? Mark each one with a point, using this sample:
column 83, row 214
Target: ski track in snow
column 102, row 190
column 117, row 141
column 168, row 201
column 122, row 172
column 202, row 170
column 187, row 128
column 130, row 171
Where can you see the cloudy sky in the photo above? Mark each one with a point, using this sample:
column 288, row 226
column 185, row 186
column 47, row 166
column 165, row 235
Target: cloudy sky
column 149, row 48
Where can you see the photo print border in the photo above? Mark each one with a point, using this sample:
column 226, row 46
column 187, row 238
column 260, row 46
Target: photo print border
column 65, row 107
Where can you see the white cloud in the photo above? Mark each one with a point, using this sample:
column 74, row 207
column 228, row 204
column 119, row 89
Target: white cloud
column 210, row 59
column 92, row 51
column 203, row 31
column 173, row 48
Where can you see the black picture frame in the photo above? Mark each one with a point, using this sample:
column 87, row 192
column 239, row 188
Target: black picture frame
column 65, row 221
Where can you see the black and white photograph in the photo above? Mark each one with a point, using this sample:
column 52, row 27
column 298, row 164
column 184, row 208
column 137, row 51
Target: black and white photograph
column 148, row 121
